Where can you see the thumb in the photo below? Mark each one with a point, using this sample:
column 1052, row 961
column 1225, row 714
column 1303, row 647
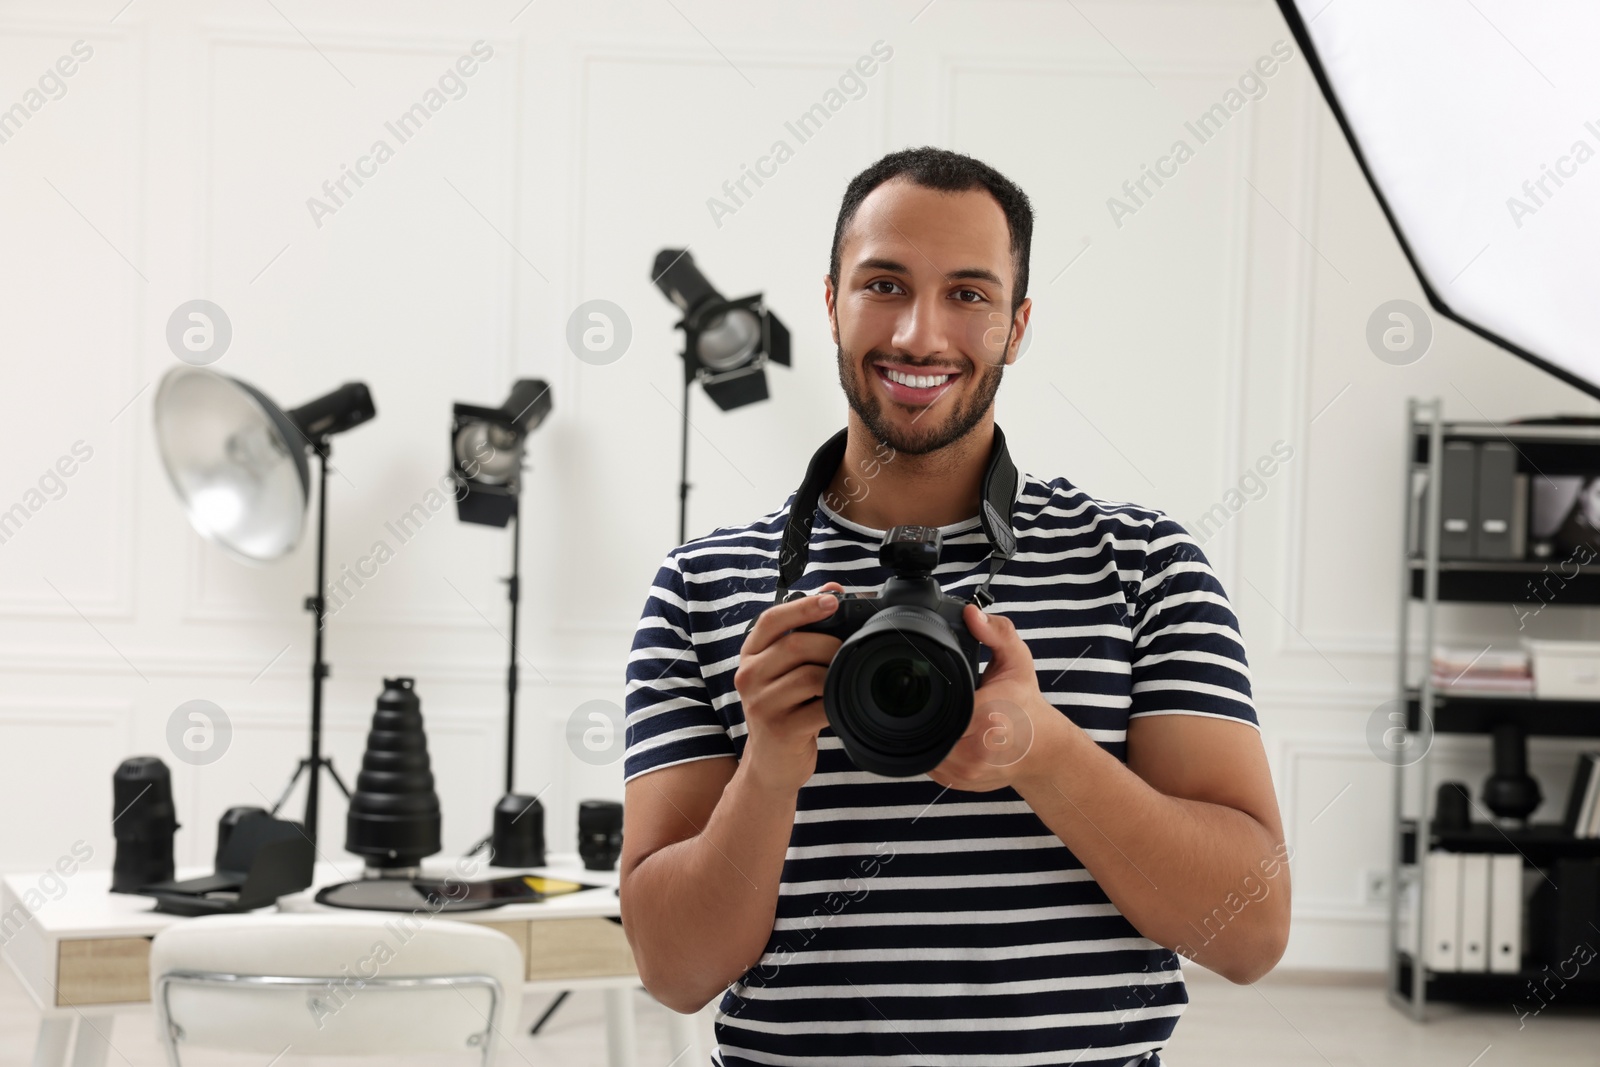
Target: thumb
column 998, row 633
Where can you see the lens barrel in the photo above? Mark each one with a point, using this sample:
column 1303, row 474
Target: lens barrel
column 899, row 692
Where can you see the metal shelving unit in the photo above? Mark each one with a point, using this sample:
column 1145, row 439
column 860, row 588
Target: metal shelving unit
column 1425, row 582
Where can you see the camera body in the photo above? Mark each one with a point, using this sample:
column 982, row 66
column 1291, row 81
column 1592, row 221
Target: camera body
column 899, row 692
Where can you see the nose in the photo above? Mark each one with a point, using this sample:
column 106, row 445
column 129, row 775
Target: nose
column 923, row 328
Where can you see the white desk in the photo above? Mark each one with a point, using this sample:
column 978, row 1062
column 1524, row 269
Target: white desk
column 84, row 957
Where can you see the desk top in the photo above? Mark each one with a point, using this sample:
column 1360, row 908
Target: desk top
column 87, row 907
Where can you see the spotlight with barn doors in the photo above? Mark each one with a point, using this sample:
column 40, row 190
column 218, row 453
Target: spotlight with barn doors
column 727, row 345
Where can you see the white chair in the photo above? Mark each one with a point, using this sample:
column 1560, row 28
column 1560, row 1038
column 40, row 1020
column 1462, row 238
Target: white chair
column 349, row 984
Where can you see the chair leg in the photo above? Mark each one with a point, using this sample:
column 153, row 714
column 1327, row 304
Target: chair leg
column 94, row 1038
column 621, row 1043
column 50, row 1049
column 551, row 1010
column 684, row 1033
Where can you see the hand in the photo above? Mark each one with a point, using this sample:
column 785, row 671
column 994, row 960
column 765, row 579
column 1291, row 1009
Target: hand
column 1011, row 720
column 779, row 680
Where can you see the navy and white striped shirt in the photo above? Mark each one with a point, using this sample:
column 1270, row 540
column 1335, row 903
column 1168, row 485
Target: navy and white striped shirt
column 917, row 925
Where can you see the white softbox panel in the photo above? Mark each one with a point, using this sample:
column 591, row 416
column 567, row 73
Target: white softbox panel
column 1477, row 123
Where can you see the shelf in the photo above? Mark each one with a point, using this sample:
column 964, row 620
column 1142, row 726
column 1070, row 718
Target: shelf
column 1511, row 581
column 1457, row 713
column 1548, row 449
column 1491, row 987
column 1541, row 843
column 1516, row 589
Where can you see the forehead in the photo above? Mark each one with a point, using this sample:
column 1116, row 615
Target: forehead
column 914, row 225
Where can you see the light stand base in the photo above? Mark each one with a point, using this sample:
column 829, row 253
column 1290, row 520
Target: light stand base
column 324, row 763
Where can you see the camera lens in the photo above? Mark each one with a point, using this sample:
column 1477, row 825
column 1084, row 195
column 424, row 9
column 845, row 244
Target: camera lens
column 899, row 693
column 901, row 686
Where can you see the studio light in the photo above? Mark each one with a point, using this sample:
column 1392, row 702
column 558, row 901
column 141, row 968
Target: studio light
column 486, row 451
column 240, row 466
column 486, row 454
column 727, row 345
column 1482, row 154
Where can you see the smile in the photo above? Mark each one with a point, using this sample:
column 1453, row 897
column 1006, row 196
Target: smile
column 916, row 381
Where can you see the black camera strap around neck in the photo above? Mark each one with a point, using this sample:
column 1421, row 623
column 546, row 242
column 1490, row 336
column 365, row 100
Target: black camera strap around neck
column 998, row 492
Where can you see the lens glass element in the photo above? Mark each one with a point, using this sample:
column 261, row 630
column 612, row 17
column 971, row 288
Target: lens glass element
column 729, row 339
column 901, row 686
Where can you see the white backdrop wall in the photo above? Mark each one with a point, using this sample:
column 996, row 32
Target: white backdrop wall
column 1176, row 339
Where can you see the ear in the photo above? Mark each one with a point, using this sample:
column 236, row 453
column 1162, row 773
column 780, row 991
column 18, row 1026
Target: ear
column 829, row 297
column 1020, row 320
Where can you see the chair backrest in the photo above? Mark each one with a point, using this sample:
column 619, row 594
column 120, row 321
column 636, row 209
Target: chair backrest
column 346, row 984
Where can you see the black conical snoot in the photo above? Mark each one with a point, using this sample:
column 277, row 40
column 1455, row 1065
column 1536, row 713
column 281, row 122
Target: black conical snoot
column 394, row 813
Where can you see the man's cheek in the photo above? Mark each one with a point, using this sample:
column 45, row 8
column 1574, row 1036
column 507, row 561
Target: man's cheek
column 987, row 337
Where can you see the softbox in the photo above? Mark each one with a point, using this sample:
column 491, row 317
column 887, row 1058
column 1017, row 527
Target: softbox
column 1477, row 123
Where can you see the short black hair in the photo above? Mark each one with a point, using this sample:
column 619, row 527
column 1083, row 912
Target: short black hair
column 952, row 172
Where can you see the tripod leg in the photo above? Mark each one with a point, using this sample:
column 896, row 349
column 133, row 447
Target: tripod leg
column 551, row 1010
column 327, row 762
column 293, row 778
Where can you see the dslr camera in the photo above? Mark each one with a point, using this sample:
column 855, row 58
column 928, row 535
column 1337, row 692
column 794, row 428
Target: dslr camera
column 899, row 692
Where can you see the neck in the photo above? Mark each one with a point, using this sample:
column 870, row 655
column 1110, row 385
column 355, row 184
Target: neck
column 880, row 488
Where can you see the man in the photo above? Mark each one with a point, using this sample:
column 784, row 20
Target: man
column 1110, row 806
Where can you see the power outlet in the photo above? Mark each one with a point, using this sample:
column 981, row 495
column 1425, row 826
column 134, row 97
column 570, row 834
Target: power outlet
column 1374, row 886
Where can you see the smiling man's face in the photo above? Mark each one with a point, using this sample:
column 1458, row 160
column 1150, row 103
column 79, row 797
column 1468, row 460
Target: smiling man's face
column 922, row 313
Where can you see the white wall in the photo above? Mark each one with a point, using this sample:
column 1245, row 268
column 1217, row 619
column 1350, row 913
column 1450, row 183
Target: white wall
column 1169, row 352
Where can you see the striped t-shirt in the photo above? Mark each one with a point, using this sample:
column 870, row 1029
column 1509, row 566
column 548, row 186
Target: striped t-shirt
column 915, row 924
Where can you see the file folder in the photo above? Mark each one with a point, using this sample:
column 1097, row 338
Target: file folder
column 1505, row 914
column 1475, row 911
column 1443, row 877
column 1457, row 499
column 1497, row 478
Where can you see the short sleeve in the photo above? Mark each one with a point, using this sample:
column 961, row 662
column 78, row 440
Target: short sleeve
column 1188, row 654
column 669, row 715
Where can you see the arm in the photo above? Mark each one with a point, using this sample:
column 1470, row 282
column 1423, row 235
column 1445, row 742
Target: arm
column 701, row 856
column 1185, row 839
column 704, row 841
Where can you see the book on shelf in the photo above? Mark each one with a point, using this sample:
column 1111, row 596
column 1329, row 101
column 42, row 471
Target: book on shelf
column 1501, row 672
column 1583, row 799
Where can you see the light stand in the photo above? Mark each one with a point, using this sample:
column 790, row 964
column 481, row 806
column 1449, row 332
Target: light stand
column 683, row 459
column 514, row 596
column 317, row 604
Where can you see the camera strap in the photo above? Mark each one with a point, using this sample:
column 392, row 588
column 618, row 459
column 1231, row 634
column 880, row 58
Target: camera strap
column 997, row 494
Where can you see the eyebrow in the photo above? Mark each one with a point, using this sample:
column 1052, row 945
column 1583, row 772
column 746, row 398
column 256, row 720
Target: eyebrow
column 896, row 267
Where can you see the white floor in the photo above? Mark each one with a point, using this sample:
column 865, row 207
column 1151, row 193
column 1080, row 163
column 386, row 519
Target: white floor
column 1288, row 1018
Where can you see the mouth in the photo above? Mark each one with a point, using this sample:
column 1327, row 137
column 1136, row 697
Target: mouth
column 911, row 385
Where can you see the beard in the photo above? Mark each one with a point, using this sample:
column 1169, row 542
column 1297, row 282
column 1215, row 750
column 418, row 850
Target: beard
column 927, row 433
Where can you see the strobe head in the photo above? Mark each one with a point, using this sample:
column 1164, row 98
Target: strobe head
column 393, row 819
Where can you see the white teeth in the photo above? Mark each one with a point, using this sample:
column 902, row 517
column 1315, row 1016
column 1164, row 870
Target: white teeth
column 917, row 381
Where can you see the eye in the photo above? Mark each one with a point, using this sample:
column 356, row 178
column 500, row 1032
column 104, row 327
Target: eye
column 963, row 294
column 892, row 287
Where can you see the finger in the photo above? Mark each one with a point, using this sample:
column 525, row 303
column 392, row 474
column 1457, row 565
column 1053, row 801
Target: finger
column 778, row 620
column 811, row 718
column 999, row 634
column 795, row 690
column 794, row 650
